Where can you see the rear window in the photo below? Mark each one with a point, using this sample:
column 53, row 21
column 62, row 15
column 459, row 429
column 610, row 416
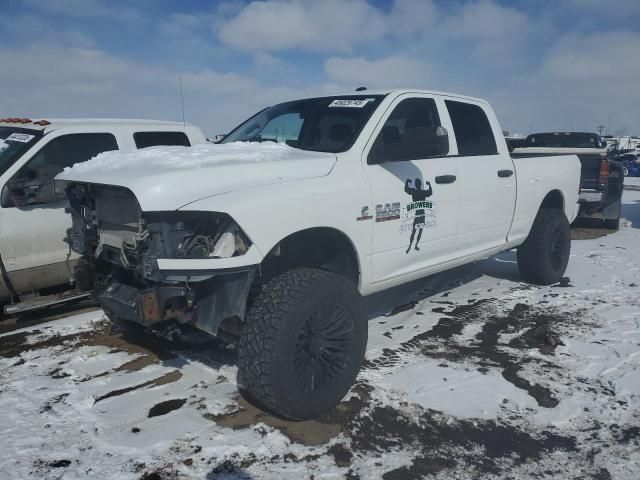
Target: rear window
column 472, row 128
column 152, row 139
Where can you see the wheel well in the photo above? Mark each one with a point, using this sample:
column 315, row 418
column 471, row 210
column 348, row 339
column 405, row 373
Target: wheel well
column 554, row 199
column 322, row 247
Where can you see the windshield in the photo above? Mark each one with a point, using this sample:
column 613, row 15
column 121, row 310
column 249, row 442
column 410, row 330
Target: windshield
column 327, row 124
column 564, row 140
column 13, row 143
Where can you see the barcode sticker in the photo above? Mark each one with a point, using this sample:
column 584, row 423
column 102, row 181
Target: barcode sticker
column 350, row 103
column 19, row 137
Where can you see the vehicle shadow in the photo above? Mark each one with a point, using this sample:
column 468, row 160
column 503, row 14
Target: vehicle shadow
column 502, row 266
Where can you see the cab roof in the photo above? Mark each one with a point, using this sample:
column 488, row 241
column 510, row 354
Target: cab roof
column 51, row 124
column 400, row 91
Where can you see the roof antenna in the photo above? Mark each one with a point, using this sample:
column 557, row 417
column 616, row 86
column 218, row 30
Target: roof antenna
column 184, row 125
column 361, row 89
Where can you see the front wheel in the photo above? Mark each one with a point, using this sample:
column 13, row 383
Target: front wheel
column 303, row 343
column 544, row 256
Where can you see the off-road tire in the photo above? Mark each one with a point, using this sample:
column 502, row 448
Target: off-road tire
column 543, row 257
column 290, row 330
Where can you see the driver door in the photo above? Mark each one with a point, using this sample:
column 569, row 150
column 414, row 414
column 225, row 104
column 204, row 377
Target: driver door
column 413, row 181
column 33, row 221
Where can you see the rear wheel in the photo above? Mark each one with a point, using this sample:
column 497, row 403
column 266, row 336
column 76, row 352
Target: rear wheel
column 303, row 343
column 544, row 256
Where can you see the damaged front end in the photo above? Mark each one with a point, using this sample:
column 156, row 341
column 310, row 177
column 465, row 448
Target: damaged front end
column 142, row 263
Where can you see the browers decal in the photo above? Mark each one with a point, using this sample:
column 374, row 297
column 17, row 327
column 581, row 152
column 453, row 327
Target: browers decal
column 417, row 215
column 416, row 212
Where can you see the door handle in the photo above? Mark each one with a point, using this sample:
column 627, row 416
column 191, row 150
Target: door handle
column 505, row 173
column 445, row 179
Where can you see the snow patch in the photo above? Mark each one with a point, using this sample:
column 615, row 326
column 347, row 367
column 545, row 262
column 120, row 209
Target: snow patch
column 449, row 390
column 179, row 158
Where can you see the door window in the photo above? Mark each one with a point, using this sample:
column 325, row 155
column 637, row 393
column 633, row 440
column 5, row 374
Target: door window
column 474, row 135
column 412, row 131
column 152, row 139
column 32, row 184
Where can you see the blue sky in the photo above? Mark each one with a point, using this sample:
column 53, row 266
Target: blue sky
column 545, row 65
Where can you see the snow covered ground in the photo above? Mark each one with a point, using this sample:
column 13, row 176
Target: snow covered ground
column 469, row 374
column 632, row 183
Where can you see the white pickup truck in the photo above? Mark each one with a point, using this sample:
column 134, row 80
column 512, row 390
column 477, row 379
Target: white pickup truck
column 272, row 237
column 33, row 223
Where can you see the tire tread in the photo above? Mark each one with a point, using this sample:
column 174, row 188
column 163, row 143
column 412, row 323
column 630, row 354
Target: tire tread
column 264, row 319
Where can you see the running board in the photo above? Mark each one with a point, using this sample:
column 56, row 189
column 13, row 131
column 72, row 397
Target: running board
column 45, row 302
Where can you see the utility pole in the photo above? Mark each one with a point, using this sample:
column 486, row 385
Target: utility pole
column 609, row 129
column 600, row 129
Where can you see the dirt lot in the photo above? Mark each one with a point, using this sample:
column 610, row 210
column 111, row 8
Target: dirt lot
column 469, row 374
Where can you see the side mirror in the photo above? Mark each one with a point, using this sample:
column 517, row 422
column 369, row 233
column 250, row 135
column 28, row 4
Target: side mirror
column 20, row 192
column 443, row 140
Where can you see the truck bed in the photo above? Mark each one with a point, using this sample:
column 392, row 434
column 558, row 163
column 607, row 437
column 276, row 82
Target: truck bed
column 589, row 158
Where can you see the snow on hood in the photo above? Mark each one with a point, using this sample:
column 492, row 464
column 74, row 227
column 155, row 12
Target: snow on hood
column 167, row 178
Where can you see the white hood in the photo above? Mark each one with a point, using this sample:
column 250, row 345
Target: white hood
column 167, row 178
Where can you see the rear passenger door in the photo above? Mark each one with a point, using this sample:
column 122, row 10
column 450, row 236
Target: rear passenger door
column 415, row 194
column 486, row 176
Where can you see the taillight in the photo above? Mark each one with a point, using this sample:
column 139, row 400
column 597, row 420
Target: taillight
column 604, row 172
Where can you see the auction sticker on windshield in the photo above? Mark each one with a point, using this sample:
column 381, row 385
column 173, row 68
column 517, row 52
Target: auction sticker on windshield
column 351, row 102
column 19, row 137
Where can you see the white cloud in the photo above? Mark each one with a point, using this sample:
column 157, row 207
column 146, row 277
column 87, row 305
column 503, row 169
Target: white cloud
column 582, row 81
column 411, row 17
column 538, row 70
column 330, row 25
column 388, row 72
column 582, row 57
column 57, row 81
column 488, row 27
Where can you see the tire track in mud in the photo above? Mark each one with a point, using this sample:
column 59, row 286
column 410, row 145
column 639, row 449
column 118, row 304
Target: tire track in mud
column 438, row 443
column 444, row 329
column 534, row 327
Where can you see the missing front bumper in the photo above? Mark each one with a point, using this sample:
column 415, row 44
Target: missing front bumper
column 147, row 306
column 203, row 304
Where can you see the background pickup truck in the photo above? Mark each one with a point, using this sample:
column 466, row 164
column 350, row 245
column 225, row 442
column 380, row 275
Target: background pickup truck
column 33, row 222
column 601, row 181
column 271, row 238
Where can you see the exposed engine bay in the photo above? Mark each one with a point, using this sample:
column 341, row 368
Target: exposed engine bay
column 120, row 247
